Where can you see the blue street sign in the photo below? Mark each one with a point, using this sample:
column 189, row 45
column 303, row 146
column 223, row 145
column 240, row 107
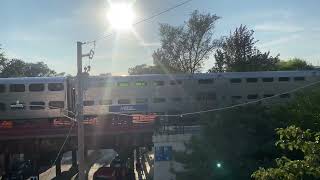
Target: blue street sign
column 163, row 153
column 129, row 108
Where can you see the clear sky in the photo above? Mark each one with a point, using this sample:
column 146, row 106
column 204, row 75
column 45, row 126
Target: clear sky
column 47, row 30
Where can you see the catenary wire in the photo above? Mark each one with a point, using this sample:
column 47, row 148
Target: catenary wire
column 142, row 20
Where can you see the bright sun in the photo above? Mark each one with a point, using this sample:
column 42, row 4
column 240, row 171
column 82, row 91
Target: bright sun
column 121, row 16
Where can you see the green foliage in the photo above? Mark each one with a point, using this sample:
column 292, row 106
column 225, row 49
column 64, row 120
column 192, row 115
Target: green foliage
column 239, row 53
column 294, row 64
column 19, row 68
column 145, row 69
column 185, row 48
column 295, row 139
column 240, row 139
column 302, row 111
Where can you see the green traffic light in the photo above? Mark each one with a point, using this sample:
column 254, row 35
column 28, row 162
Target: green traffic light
column 218, row 165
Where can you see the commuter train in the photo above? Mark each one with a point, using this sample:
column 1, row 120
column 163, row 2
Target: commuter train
column 48, row 98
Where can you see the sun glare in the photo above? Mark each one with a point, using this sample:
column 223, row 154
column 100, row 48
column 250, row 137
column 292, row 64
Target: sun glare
column 121, row 16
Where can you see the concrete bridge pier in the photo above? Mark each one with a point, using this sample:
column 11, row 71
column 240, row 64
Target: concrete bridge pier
column 58, row 166
column 74, row 158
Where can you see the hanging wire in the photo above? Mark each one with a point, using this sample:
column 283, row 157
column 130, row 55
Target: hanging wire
column 141, row 21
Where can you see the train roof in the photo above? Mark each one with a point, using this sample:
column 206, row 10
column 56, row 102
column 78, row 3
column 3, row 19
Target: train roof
column 32, row 80
column 167, row 76
column 212, row 75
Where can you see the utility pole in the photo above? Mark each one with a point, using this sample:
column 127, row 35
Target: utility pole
column 79, row 114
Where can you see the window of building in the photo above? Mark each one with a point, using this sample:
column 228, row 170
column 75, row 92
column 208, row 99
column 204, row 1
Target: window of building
column 36, row 87
column 141, row 100
column 17, row 88
column 17, row 106
column 299, row 78
column 2, row 88
column 88, row 103
column 267, row 79
column 174, row 82
column 235, row 97
column 286, row 95
column 55, row 86
column 37, row 105
column 124, row 101
column 56, row 104
column 123, row 84
column 141, row 83
column 252, row 80
column 176, row 99
column 268, row 95
column 283, row 79
column 3, row 107
column 252, row 96
column 106, row 102
column 235, row 80
column 205, row 81
column 158, row 83
column 159, row 100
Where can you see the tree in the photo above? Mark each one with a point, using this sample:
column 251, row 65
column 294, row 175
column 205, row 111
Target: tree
column 239, row 53
column 307, row 167
column 294, row 64
column 145, row 69
column 19, row 68
column 239, row 139
column 185, row 48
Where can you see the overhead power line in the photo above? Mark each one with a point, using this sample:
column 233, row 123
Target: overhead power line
column 142, row 20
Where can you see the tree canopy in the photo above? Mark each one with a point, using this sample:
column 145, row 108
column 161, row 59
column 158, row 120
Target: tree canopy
column 20, row 68
column 183, row 48
column 240, row 140
column 294, row 64
column 239, row 53
column 145, row 69
column 307, row 167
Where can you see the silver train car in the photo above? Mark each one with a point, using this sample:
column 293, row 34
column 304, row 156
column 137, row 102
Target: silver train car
column 32, row 97
column 158, row 94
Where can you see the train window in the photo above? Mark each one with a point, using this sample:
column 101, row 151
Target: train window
column 17, row 88
column 17, row 106
column 235, row 97
column 2, row 107
column 176, row 99
column 284, row 79
column 158, row 83
column 159, row 100
column 141, row 100
column 106, row 102
column 286, row 95
column 299, row 78
column 252, row 96
column 36, row 87
column 205, row 81
column 123, row 84
column 55, row 86
column 235, row 80
column 2, row 88
column 268, row 95
column 206, row 96
column 88, row 103
column 174, row 82
column 37, row 105
column 56, row 104
column 252, row 80
column 267, row 79
column 123, row 101
column 141, row 83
